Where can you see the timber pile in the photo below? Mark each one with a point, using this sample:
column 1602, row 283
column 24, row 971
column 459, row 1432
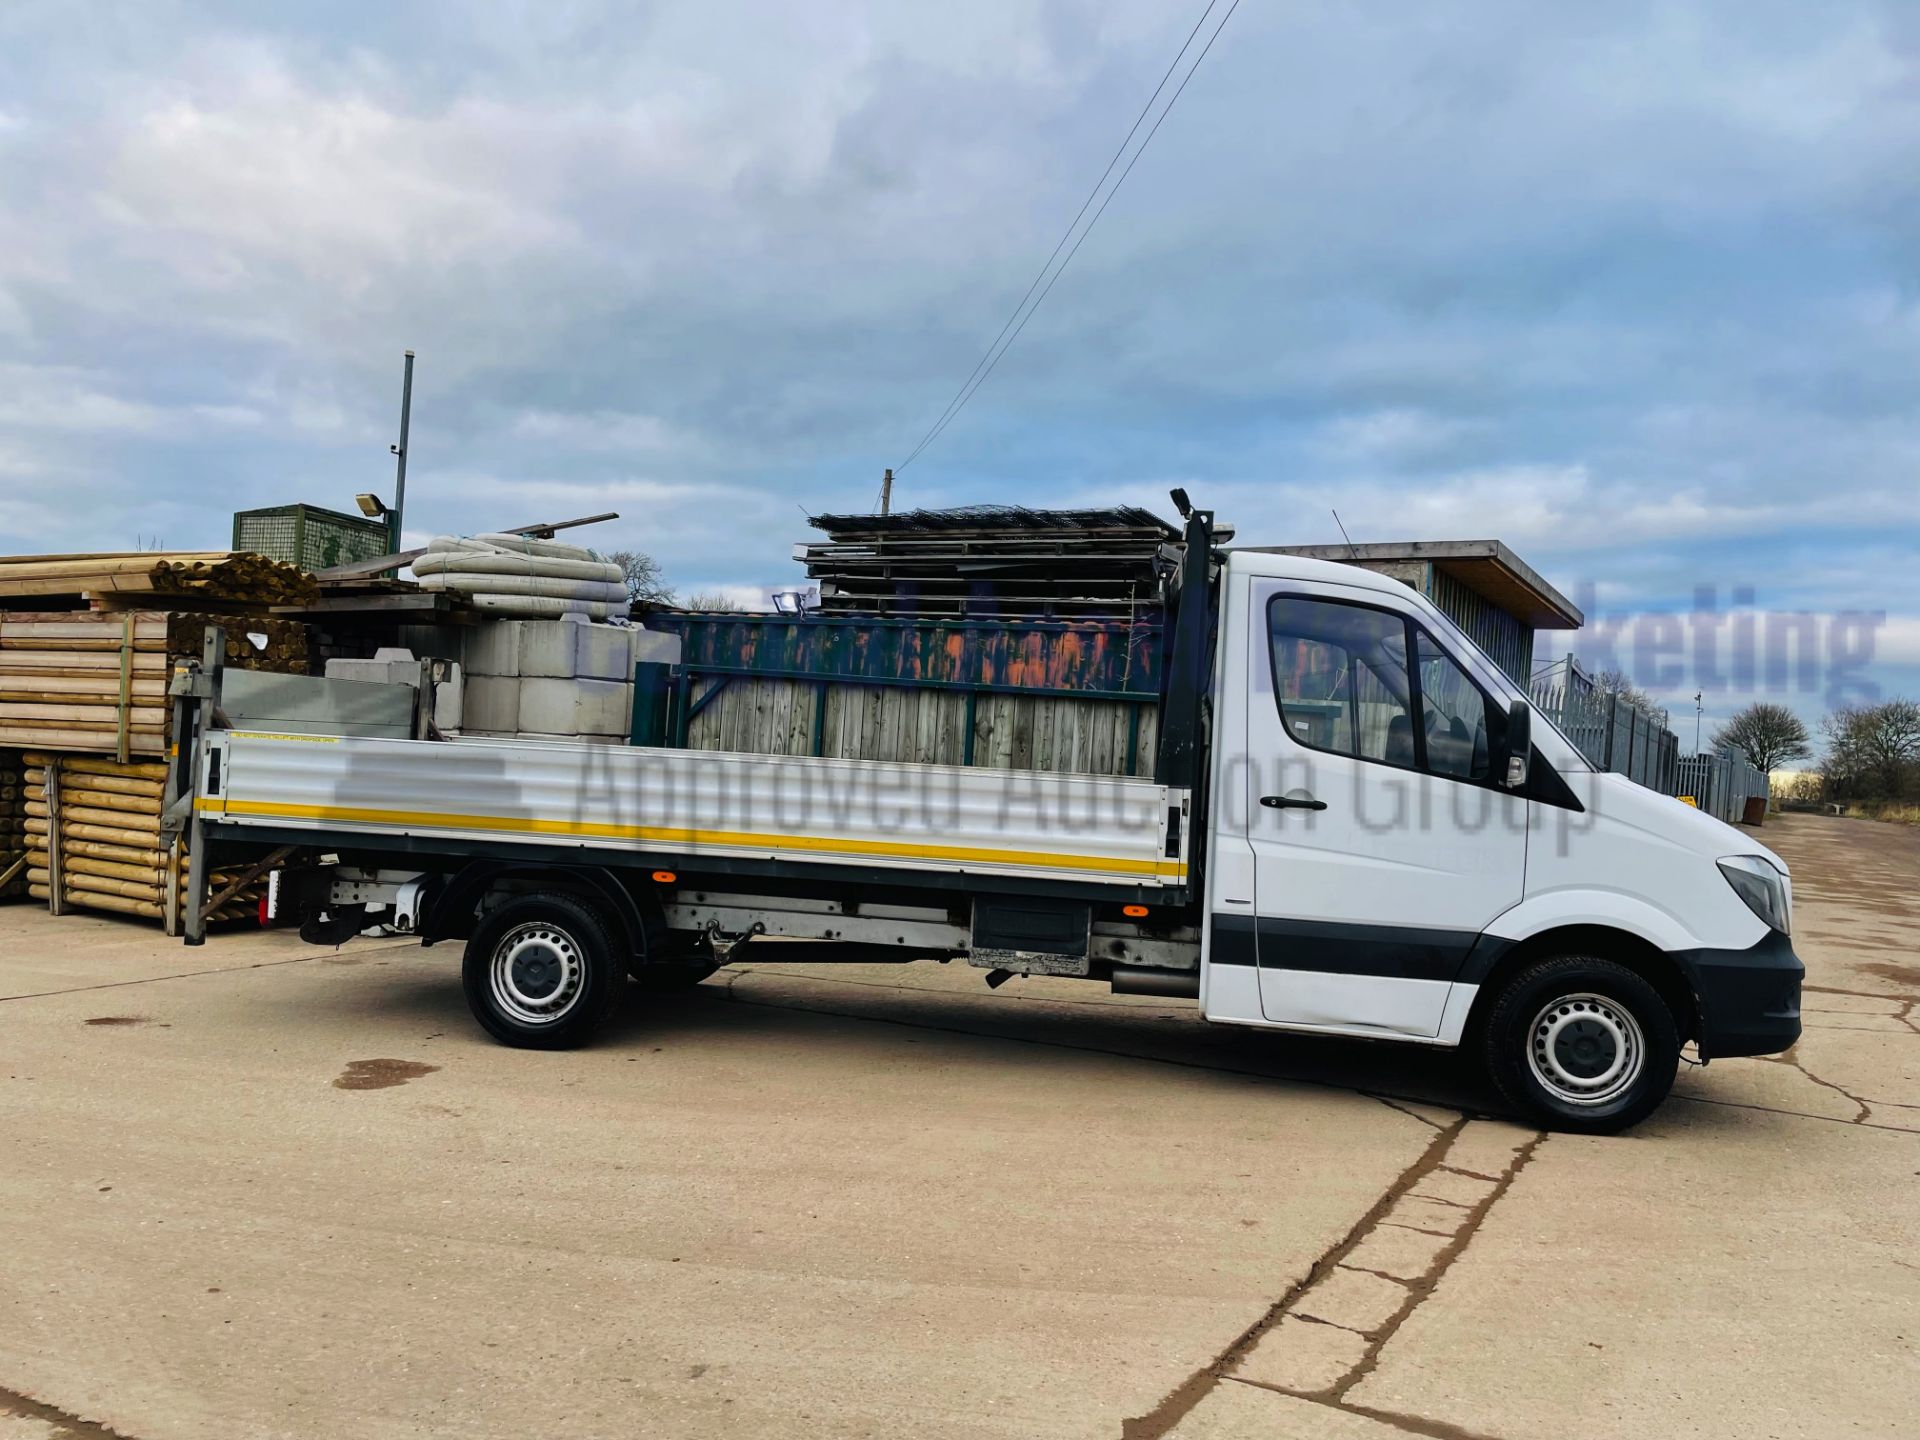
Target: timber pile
column 97, row 681
column 13, row 830
column 157, row 579
column 108, row 824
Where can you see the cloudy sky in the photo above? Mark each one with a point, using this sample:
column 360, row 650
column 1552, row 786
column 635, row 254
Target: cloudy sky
column 1635, row 288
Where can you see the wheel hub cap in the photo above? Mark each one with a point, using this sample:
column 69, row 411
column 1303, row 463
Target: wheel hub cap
column 536, row 974
column 1586, row 1049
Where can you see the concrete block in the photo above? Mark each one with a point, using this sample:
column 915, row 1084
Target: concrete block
column 492, row 648
column 490, row 703
column 575, row 707
column 656, row 646
column 575, row 649
column 388, row 667
column 449, row 699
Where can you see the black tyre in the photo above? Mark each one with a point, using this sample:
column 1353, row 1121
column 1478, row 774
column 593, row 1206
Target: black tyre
column 1582, row 1044
column 542, row 971
column 679, row 961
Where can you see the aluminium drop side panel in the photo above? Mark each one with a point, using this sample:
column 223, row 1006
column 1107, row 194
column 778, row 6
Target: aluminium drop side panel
column 691, row 803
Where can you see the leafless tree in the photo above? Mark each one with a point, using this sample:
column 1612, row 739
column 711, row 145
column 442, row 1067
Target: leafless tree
column 646, row 584
column 1619, row 684
column 1766, row 734
column 1873, row 751
column 714, row 600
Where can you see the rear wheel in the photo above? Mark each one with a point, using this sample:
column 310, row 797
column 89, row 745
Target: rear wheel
column 542, row 970
column 1582, row 1044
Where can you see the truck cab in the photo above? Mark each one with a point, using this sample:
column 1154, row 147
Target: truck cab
column 1395, row 846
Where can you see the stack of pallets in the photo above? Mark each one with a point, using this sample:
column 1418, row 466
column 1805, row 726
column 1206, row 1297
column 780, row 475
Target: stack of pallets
column 991, row 561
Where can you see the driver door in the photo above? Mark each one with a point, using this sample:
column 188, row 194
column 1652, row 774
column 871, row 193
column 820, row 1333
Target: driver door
column 1382, row 843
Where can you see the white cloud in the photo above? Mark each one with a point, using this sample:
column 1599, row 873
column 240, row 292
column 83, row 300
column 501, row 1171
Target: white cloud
column 60, row 399
column 1625, row 289
column 1393, row 435
column 603, row 430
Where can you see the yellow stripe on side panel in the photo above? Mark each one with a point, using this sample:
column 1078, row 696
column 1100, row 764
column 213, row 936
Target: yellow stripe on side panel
column 1169, row 869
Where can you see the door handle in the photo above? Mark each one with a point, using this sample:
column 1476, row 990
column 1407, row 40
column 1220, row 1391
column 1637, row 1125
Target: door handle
column 1289, row 802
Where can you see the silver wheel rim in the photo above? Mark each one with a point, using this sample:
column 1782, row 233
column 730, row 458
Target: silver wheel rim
column 1586, row 1049
column 536, row 974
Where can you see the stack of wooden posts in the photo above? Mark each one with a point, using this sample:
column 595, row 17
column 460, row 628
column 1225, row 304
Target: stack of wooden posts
column 96, row 681
column 212, row 578
column 92, row 829
column 13, row 829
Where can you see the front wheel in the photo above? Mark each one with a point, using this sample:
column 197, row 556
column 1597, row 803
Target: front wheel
column 1581, row 1044
column 542, row 971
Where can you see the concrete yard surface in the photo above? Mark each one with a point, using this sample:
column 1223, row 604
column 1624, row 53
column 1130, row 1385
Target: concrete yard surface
column 259, row 1189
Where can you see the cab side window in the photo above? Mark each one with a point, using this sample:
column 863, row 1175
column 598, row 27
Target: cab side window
column 1343, row 683
column 1340, row 677
column 1457, row 716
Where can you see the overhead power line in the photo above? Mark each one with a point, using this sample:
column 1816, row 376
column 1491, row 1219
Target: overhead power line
column 1049, row 272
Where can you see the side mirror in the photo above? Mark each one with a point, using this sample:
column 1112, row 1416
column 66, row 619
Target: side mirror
column 1519, row 743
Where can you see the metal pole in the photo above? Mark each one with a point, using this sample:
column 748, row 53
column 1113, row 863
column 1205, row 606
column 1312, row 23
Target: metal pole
column 886, row 492
column 400, row 461
column 1698, row 709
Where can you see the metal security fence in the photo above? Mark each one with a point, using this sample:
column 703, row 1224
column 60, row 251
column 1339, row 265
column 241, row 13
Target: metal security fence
column 1611, row 733
column 1721, row 785
column 1616, row 736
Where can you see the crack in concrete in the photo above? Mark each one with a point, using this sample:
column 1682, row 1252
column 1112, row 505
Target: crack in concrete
column 1795, row 1114
column 178, row 975
column 1410, row 1114
column 63, row 1424
column 1399, row 1280
column 1395, row 1419
column 1306, row 1319
column 1437, row 1200
column 1421, row 1288
column 1806, row 989
column 1183, row 1399
column 1790, row 1057
column 1180, row 1401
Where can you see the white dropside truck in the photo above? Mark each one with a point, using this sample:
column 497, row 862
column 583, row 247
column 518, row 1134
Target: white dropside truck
column 1355, row 827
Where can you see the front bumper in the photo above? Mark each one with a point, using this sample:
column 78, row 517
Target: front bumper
column 1749, row 999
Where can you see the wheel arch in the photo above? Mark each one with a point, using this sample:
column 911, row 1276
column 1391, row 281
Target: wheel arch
column 1507, row 958
column 452, row 915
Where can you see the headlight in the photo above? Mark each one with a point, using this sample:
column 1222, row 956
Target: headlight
column 1763, row 887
